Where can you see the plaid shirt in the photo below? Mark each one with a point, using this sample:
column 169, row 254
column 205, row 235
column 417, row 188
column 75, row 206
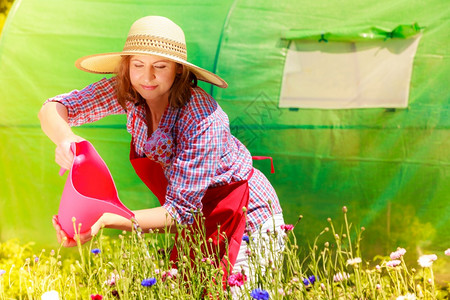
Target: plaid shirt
column 204, row 153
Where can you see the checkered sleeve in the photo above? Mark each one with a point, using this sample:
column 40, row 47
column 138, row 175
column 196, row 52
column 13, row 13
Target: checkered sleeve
column 90, row 104
column 196, row 161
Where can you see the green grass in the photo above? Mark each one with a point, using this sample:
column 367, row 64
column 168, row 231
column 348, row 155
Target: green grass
column 137, row 266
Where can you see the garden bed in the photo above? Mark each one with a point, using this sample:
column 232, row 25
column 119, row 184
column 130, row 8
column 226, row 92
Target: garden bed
column 137, row 266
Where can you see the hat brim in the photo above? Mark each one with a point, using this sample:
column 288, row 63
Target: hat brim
column 107, row 63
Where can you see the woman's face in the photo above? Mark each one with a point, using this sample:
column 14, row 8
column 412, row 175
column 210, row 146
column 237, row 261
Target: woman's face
column 152, row 76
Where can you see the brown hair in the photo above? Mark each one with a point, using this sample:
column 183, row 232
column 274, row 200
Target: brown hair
column 180, row 92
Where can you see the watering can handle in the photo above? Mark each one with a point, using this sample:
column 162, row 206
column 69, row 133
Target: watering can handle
column 73, row 148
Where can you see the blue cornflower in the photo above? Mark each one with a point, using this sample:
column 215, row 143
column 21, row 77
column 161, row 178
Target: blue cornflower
column 148, row 281
column 310, row 280
column 246, row 238
column 2, row 272
column 259, row 294
column 96, row 251
column 306, row 281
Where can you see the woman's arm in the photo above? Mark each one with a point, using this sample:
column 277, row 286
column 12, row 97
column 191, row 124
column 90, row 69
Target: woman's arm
column 54, row 123
column 151, row 218
column 76, row 108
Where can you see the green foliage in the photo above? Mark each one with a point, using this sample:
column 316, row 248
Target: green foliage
column 137, row 266
column 5, row 6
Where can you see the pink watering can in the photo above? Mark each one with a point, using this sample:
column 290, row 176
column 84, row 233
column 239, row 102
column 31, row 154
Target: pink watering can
column 89, row 191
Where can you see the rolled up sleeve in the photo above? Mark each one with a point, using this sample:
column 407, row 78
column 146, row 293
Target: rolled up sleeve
column 90, row 104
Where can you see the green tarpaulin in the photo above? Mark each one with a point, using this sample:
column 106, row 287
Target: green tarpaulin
column 390, row 167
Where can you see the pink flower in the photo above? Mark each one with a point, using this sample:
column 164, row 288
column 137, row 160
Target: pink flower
column 295, row 279
column 397, row 254
column 237, row 279
column 341, row 277
column 169, row 274
column 393, row 263
column 425, row 261
column 447, row 252
column 287, row 227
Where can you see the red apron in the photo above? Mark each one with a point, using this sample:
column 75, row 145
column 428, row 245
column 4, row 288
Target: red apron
column 221, row 205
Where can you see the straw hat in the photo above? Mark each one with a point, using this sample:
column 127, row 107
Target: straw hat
column 149, row 35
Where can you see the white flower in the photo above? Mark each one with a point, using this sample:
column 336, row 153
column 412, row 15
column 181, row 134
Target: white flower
column 50, row 295
column 397, row 254
column 354, row 261
column 425, row 261
column 393, row 263
column 173, row 272
column 112, row 279
column 419, row 291
column 447, row 252
column 407, row 297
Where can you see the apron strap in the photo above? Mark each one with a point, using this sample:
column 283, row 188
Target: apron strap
column 272, row 169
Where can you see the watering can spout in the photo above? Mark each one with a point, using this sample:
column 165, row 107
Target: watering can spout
column 89, row 191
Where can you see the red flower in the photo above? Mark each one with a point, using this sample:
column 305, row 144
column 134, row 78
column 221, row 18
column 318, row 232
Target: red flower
column 96, row 297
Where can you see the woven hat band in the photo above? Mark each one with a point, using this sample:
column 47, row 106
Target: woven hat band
column 148, row 43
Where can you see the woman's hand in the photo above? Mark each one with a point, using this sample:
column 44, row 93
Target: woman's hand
column 55, row 124
column 63, row 153
column 67, row 241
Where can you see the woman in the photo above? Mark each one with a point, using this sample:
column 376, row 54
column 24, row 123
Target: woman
column 181, row 145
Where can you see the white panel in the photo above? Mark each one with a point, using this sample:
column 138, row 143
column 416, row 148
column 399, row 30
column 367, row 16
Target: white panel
column 337, row 75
